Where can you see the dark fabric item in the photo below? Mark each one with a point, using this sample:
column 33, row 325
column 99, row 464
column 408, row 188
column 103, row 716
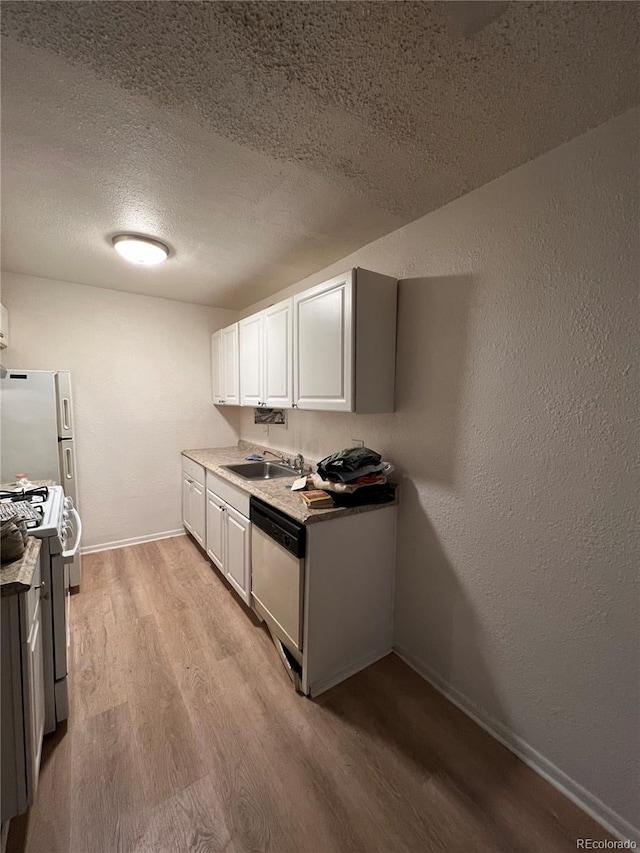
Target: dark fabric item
column 365, row 495
column 347, row 460
column 350, row 476
column 11, row 542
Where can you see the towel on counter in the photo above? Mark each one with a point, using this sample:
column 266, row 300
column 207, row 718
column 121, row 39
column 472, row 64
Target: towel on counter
column 368, row 480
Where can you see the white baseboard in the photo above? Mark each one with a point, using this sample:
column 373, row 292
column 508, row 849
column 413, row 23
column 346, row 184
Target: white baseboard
column 137, row 540
column 323, row 684
column 594, row 807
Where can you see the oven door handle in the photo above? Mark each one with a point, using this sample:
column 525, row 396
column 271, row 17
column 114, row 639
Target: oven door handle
column 70, row 554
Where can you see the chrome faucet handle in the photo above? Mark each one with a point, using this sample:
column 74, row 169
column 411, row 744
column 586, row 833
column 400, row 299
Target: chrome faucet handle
column 298, row 463
column 284, row 460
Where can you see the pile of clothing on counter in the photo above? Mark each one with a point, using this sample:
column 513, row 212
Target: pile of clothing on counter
column 355, row 476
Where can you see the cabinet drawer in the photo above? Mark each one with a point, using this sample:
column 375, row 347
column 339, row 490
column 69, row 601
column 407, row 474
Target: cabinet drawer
column 192, row 469
column 228, row 492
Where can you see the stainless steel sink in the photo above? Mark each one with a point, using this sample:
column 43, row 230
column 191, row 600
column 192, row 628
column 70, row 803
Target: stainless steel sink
column 261, row 470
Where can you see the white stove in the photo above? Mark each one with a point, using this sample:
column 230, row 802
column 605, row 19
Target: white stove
column 55, row 521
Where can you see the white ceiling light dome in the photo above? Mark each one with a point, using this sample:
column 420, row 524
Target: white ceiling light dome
column 140, row 250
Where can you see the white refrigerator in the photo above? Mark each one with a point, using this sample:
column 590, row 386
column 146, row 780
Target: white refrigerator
column 37, row 433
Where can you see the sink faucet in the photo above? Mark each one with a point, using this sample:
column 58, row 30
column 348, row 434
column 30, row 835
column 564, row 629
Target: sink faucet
column 297, row 463
column 283, row 459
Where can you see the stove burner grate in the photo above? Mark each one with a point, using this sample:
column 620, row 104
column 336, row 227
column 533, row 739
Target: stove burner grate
column 22, row 509
column 36, row 495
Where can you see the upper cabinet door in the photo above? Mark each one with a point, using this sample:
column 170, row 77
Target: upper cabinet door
column 251, row 355
column 231, row 371
column 217, row 373
column 278, row 354
column 323, row 346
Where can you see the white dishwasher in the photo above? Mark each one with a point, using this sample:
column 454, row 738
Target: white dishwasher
column 277, row 580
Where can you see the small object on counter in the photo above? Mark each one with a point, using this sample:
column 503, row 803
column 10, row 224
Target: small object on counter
column 317, row 499
column 12, row 542
column 254, row 457
column 300, row 483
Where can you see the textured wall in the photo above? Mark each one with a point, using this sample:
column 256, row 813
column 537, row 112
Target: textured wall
column 516, row 433
column 142, row 393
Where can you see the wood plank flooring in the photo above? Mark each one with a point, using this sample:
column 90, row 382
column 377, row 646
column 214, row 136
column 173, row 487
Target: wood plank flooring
column 186, row 735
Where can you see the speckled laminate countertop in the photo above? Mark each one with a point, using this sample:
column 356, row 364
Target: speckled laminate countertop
column 17, row 576
column 274, row 491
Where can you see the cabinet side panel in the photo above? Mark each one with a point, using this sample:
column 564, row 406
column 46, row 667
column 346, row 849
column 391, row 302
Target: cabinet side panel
column 349, row 595
column 376, row 318
column 13, row 769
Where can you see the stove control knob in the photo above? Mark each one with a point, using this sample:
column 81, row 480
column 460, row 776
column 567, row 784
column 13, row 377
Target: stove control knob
column 68, row 503
column 65, row 515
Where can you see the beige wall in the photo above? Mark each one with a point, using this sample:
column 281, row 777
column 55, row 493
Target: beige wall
column 142, row 392
column 516, row 437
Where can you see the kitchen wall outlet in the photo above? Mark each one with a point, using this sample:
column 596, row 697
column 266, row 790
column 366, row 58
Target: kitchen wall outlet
column 357, row 442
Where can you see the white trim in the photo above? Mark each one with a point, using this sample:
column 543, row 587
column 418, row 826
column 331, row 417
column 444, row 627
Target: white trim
column 320, row 685
column 136, row 540
column 594, row 807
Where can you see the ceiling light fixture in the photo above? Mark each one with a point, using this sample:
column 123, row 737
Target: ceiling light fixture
column 140, row 250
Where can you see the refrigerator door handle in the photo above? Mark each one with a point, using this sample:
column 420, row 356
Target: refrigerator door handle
column 66, row 413
column 71, row 552
column 68, row 463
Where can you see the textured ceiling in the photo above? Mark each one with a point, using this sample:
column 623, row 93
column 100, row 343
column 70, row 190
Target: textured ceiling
column 266, row 140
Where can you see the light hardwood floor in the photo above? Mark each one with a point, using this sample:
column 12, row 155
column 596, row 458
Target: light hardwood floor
column 186, row 735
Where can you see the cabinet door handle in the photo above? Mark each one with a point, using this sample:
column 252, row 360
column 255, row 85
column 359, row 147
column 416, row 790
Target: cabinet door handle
column 43, row 587
column 294, row 405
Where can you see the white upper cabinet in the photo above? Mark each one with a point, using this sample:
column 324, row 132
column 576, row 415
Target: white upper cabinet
column 331, row 348
column 4, row 327
column 231, row 365
column 217, row 379
column 344, row 344
column 225, row 370
column 323, row 346
column 251, row 333
column 278, row 354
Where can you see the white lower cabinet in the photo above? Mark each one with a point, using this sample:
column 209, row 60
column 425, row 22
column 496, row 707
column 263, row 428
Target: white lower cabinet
column 194, row 501
column 215, row 529
column 22, row 694
column 229, row 543
column 198, row 512
column 238, row 556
